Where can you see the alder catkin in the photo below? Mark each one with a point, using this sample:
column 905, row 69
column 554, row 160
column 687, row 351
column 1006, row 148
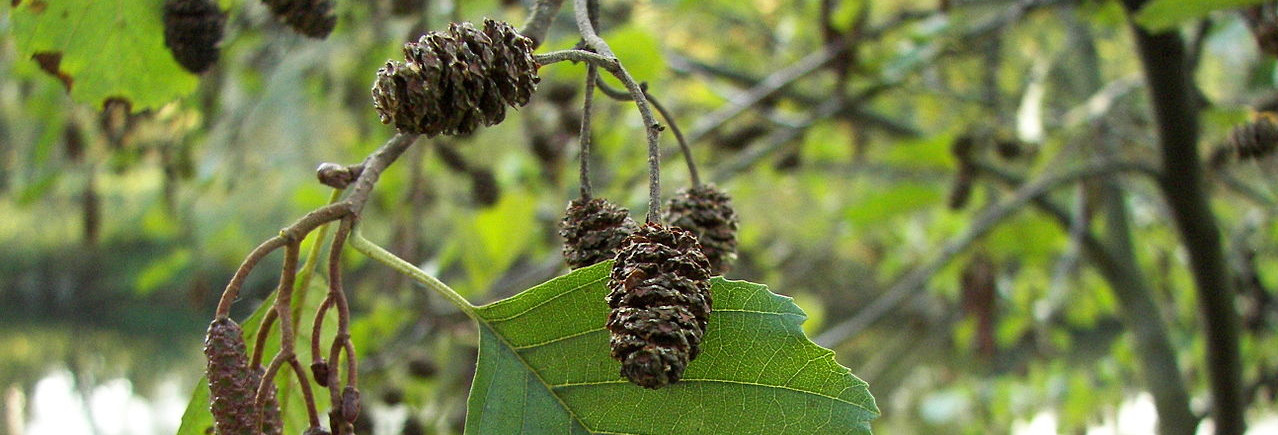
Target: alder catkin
column 192, row 32
column 660, row 300
column 593, row 230
column 232, row 386
column 454, row 81
column 707, row 212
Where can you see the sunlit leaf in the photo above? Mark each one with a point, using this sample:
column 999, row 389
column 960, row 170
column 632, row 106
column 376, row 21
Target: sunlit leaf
column 1160, row 15
column 544, row 368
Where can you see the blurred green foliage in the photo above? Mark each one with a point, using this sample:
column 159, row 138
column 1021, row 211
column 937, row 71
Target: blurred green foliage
column 134, row 228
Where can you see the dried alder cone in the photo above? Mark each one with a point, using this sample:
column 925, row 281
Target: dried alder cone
column 707, row 212
column 232, row 386
column 192, row 31
column 1255, row 139
column 593, row 230
column 313, row 18
column 452, row 82
column 660, row 299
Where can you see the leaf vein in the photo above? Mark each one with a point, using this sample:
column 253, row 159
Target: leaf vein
column 539, row 304
column 558, row 339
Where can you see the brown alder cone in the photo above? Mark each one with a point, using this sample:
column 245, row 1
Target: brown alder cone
column 660, row 300
column 593, row 230
column 707, row 212
column 1255, row 139
column 313, row 18
column 192, row 32
column 454, row 81
column 232, row 386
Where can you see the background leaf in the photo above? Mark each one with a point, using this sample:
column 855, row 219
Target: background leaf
column 109, row 48
column 1161, row 15
column 544, row 367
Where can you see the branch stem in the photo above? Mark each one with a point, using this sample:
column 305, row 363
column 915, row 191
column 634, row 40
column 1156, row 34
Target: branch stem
column 592, row 73
column 665, row 114
column 581, row 11
column 372, row 250
column 1174, row 98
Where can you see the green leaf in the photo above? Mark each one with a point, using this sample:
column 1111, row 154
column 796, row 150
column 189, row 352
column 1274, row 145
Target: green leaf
column 884, row 205
column 107, row 48
column 1161, row 15
column 544, row 368
column 638, row 50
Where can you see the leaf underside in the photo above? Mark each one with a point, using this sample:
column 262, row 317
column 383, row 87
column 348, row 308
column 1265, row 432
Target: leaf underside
column 544, row 368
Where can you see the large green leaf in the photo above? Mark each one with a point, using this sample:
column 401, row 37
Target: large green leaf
column 1159, row 15
column 104, row 48
column 544, row 368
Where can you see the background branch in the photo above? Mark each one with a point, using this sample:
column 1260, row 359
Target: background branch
column 917, row 277
column 1173, row 97
column 540, row 16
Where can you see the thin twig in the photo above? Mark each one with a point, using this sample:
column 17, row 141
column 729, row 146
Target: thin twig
column 233, row 288
column 665, row 114
column 263, row 331
column 336, row 293
column 766, row 88
column 284, row 297
column 592, row 39
column 592, row 72
column 352, row 205
column 540, row 16
column 383, row 256
column 308, row 267
column 775, row 141
column 317, row 328
column 308, row 396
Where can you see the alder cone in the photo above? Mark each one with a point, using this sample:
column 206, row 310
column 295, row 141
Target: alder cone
column 593, row 230
column 232, row 386
column 1256, row 139
column 452, row 82
column 707, row 212
column 192, row 32
column 313, row 18
column 660, row 300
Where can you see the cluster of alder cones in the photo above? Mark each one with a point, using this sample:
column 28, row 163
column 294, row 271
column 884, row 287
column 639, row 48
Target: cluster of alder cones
column 193, row 28
column 660, row 282
column 451, row 83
